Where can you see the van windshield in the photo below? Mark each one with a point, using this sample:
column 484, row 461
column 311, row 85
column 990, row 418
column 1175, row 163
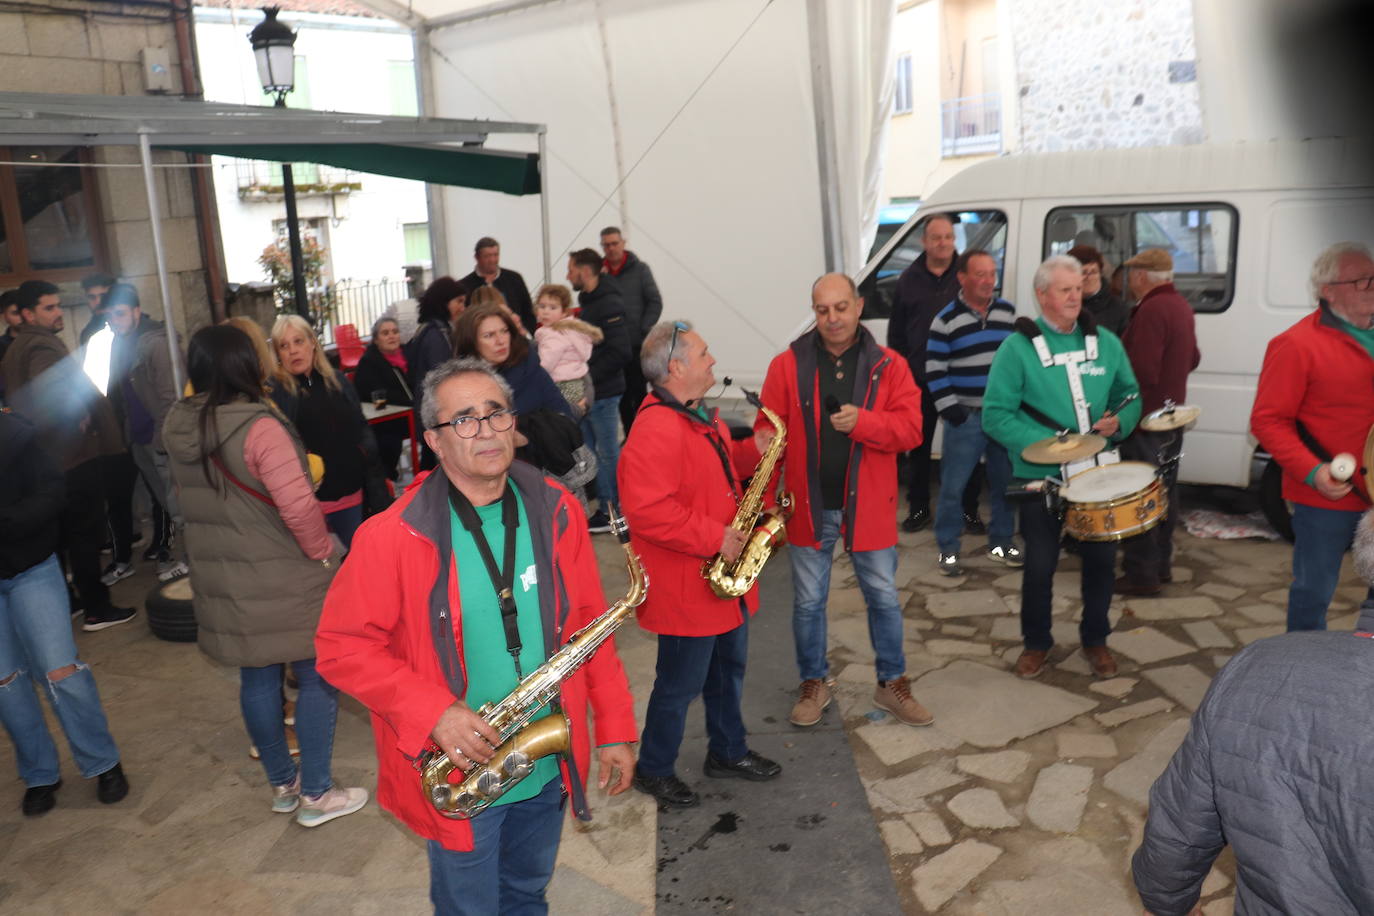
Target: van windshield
column 986, row 229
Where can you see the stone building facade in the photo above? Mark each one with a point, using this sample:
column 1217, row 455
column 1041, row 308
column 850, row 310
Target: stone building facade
column 99, row 47
column 1111, row 74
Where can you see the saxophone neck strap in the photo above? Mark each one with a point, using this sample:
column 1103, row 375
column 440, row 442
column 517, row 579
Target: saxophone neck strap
column 712, row 432
column 503, row 579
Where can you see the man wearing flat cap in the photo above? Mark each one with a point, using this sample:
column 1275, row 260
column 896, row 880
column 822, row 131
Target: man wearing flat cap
column 1161, row 341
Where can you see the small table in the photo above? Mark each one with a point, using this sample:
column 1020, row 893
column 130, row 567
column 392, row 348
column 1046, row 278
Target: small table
column 394, row 412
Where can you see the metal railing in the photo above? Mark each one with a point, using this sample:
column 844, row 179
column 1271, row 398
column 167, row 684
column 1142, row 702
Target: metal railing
column 972, row 124
column 259, row 179
column 359, row 303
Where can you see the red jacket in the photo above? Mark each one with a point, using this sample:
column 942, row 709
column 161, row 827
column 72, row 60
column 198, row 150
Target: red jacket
column 1315, row 374
column 889, row 423
column 677, row 497
column 1161, row 341
column 374, row 639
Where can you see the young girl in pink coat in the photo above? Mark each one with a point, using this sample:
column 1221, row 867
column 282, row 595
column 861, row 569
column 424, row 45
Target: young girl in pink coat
column 565, row 343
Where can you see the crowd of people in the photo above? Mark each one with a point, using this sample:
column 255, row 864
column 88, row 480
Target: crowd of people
column 275, row 496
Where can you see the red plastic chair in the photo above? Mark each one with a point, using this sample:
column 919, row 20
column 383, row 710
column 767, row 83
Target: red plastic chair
column 350, row 346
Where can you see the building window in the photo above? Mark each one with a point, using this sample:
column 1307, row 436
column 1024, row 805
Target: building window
column 417, row 243
column 902, row 105
column 47, row 215
column 401, row 88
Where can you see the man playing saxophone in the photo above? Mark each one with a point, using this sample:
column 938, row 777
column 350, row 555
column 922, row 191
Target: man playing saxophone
column 679, row 486
column 447, row 600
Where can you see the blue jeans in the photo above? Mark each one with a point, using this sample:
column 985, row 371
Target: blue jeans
column 711, row 667
column 317, row 707
column 601, row 430
column 344, row 522
column 514, row 848
column 876, row 570
column 964, row 446
column 36, row 638
column 1320, row 540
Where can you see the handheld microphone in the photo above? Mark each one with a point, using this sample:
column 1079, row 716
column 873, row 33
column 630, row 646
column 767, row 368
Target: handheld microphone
column 832, row 404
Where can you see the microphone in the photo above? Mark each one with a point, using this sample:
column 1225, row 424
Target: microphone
column 832, row 404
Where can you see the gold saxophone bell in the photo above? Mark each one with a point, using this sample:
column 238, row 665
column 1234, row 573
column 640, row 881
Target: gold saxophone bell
column 762, row 535
column 524, row 740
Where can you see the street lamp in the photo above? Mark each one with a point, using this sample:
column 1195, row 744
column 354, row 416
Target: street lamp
column 274, row 47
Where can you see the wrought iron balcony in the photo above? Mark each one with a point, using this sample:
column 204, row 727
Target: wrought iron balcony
column 971, row 125
column 261, row 180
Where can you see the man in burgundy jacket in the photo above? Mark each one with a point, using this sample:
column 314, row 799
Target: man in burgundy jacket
column 1313, row 402
column 1161, row 341
column 680, row 476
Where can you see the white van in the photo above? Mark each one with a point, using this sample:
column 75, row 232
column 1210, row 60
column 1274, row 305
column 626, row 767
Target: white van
column 1244, row 224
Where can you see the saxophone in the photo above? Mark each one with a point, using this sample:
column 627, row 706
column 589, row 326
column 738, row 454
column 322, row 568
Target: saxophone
column 523, row 743
column 731, row 580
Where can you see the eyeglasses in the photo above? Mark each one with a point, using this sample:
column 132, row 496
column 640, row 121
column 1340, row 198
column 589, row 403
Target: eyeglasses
column 678, row 327
column 468, row 426
column 1363, row 284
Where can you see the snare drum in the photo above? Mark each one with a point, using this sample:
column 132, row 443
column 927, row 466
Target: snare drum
column 1114, row 502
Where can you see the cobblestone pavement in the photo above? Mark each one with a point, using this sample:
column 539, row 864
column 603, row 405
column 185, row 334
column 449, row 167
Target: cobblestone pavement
column 1022, row 798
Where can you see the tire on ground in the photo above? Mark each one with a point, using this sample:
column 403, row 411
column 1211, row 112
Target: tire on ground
column 171, row 611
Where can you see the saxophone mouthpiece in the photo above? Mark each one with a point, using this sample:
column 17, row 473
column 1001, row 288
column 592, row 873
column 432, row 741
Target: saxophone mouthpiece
column 752, row 397
column 619, row 527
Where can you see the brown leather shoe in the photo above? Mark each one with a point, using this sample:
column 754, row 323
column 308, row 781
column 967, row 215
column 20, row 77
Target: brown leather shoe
column 895, row 696
column 812, row 698
column 1101, row 658
column 1030, row 663
column 1124, row 586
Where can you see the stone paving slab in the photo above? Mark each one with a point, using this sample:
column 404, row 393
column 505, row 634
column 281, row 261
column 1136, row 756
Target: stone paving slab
column 1218, row 590
column 945, row 875
column 966, row 603
column 1207, row 635
column 1132, row 779
column 1060, row 794
column 1189, row 608
column 1147, row 644
column 1117, row 687
column 894, row 742
column 981, row 809
column 930, row 827
column 1184, row 683
column 1263, row 613
column 1247, row 635
column 990, row 708
column 1000, row 766
column 1135, row 711
column 1074, row 744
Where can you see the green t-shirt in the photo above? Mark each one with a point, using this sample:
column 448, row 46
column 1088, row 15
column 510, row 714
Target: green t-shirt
column 490, row 669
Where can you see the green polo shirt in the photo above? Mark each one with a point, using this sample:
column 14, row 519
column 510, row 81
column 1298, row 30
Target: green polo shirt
column 489, row 667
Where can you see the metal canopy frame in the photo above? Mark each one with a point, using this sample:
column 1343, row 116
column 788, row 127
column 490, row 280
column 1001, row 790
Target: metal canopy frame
column 38, row 119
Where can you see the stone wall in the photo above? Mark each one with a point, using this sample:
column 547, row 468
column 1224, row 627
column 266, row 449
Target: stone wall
column 92, row 47
column 1116, row 73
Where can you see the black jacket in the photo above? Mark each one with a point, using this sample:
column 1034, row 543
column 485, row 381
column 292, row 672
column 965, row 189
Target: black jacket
column 374, row 373
column 30, row 500
column 511, row 285
column 1109, row 311
column 918, row 299
column 643, row 302
column 605, row 308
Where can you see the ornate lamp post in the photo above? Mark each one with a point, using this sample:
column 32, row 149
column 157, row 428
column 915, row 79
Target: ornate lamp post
column 274, row 48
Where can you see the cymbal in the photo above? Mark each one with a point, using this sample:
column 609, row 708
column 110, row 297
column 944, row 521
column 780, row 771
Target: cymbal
column 1174, row 416
column 1063, row 448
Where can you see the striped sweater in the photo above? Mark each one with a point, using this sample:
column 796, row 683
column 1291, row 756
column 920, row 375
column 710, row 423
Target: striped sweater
column 959, row 352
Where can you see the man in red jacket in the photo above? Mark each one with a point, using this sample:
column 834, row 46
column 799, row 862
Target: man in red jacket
column 679, row 487
column 1161, row 340
column 850, row 406
column 429, row 618
column 1313, row 402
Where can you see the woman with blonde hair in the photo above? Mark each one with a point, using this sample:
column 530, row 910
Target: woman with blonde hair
column 329, row 417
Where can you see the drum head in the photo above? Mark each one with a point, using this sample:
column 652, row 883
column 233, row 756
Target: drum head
column 1113, row 481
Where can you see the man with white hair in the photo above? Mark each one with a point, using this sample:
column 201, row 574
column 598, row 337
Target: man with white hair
column 1315, row 400
column 1059, row 371
column 1161, row 341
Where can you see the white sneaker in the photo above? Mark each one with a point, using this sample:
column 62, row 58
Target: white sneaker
column 173, row 571
column 322, row 809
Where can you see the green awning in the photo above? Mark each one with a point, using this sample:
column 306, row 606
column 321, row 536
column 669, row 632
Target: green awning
column 485, row 169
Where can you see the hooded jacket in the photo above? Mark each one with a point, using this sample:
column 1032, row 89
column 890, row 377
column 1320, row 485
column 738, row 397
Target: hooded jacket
column 258, row 596
column 679, row 477
column 1275, row 764
column 46, row 384
column 1315, row 374
column 889, row 422
column 30, row 500
column 375, row 640
column 604, row 308
column 565, row 346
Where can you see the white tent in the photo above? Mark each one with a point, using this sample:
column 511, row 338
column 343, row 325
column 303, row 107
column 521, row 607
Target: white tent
column 736, row 142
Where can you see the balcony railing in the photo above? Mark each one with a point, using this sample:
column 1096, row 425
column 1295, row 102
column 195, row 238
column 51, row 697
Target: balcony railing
column 260, row 180
column 360, row 303
column 971, row 125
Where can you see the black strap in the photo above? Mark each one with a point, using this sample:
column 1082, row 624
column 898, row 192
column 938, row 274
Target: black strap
column 503, row 580
column 667, row 400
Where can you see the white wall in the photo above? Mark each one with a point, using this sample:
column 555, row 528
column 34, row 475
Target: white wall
column 347, row 59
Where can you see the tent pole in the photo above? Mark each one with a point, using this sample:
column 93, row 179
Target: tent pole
column 145, row 150
column 823, row 107
column 544, row 202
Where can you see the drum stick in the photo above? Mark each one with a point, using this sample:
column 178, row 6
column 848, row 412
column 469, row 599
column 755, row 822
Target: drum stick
column 1343, row 467
column 1121, row 406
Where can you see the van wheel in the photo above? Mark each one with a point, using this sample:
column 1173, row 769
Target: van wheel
column 171, row 610
column 1275, row 507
